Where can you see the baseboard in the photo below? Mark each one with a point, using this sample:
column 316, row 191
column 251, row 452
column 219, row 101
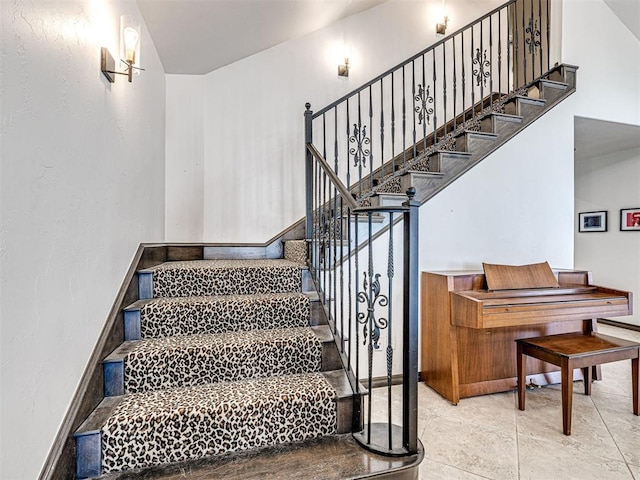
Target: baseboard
column 615, row 323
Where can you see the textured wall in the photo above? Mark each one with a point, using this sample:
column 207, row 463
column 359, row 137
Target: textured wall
column 82, row 184
column 253, row 145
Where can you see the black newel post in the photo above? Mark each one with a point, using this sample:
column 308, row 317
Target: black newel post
column 410, row 327
column 308, row 139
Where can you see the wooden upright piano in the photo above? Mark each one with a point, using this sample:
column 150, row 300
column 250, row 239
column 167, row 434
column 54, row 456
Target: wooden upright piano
column 468, row 332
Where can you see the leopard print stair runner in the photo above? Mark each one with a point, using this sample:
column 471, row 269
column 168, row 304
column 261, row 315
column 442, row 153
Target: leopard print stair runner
column 226, row 277
column 193, row 422
column 204, row 358
column 164, row 317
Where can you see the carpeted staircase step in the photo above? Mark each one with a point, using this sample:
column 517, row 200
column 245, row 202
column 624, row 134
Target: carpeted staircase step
column 161, row 363
column 166, row 317
column 220, row 277
column 176, row 425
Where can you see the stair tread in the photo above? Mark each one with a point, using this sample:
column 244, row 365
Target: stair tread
column 225, row 415
column 334, row 457
column 224, row 277
column 182, row 396
column 170, row 362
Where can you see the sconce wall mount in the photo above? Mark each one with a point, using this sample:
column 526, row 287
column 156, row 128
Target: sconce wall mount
column 130, row 48
column 441, row 28
column 343, row 70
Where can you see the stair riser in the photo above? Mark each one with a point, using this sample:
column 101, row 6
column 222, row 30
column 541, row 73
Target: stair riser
column 172, row 317
column 472, row 143
column 203, row 281
column 503, row 128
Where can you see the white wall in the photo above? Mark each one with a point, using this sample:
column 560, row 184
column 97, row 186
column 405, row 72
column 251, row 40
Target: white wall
column 609, row 74
column 608, row 89
column 185, row 160
column 515, row 207
column 253, row 115
column 82, row 184
column 610, row 183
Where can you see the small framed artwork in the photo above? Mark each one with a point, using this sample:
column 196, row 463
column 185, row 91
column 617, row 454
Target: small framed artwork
column 630, row 219
column 592, row 221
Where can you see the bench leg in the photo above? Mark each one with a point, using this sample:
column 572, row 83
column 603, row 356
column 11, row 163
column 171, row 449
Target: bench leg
column 521, row 363
column 587, row 374
column 635, row 382
column 567, row 394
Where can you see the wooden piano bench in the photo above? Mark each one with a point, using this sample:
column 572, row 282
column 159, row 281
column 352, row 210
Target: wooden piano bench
column 577, row 350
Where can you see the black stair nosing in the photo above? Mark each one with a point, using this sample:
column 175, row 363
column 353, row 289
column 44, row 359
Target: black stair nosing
column 419, row 173
column 151, row 270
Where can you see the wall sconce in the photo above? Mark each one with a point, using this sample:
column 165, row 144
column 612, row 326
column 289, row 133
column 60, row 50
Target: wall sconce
column 129, row 50
column 441, row 28
column 343, row 70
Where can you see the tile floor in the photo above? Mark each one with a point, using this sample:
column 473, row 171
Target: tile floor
column 487, row 437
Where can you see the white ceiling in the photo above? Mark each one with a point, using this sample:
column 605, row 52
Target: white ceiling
column 199, row 36
column 596, row 138
column 628, row 11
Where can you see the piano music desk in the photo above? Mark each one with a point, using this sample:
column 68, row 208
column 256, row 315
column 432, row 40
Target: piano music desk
column 468, row 333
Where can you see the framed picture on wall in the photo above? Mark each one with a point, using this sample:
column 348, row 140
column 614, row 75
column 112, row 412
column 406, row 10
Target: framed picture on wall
column 592, row 221
column 630, row 219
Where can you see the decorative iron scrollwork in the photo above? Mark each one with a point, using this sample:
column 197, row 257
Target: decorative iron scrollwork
column 376, row 298
column 481, row 73
column 360, row 152
column 534, row 32
column 424, row 112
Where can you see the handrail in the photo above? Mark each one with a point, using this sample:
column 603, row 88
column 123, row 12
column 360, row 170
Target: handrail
column 344, row 193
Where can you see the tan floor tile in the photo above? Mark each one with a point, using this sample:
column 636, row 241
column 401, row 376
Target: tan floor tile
column 430, row 470
column 542, row 458
column 622, row 424
column 543, row 419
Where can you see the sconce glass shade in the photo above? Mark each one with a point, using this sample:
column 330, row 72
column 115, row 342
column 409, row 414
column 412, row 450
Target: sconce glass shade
column 130, row 40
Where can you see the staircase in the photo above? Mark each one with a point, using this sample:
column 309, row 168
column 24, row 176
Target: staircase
column 219, row 357
column 432, row 168
column 260, row 361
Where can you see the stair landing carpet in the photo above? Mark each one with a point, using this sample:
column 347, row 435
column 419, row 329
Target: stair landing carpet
column 193, row 422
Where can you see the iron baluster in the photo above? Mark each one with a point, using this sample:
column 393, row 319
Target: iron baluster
column 435, row 104
column 455, row 79
column 389, row 352
column 382, row 157
column 548, row 38
column 404, row 120
column 444, row 89
column 393, row 124
column 464, row 92
column 473, row 98
column 371, row 140
column 500, row 54
column 524, row 50
column 491, row 61
column 413, row 95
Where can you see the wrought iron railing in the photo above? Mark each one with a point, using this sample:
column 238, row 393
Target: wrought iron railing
column 390, row 124
column 416, row 108
column 356, row 279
